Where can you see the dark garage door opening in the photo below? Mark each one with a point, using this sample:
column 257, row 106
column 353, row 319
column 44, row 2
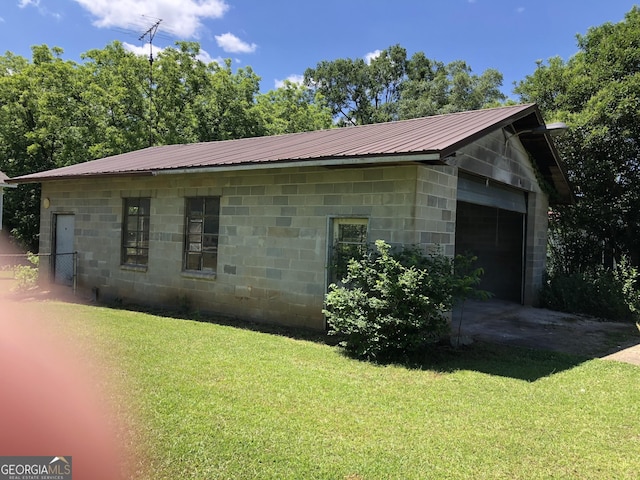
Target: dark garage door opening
column 495, row 236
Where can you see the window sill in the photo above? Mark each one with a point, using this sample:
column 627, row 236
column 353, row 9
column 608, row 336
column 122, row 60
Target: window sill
column 134, row 268
column 199, row 275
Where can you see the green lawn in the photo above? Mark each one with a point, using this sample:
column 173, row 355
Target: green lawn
column 215, row 401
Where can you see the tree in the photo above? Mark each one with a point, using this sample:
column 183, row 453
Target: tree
column 231, row 112
column 55, row 113
column 361, row 93
column 433, row 88
column 39, row 129
column 181, row 85
column 293, row 108
column 597, row 93
column 393, row 87
column 116, row 108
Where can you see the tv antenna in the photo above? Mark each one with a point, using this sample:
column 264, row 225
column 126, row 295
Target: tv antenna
column 151, row 33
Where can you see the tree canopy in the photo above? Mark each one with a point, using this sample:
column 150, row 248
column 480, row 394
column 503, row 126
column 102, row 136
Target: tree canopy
column 597, row 93
column 55, row 112
column 392, row 87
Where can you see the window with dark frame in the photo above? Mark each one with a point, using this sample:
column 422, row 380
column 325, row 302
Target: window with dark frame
column 135, row 231
column 201, row 236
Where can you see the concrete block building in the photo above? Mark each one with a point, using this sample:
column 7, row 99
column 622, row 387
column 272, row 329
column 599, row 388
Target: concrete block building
column 247, row 227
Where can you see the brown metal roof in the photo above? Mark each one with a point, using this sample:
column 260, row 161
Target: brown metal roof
column 438, row 136
column 421, row 139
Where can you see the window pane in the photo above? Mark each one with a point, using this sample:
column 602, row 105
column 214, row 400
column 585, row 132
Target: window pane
column 193, row 262
column 209, row 261
column 194, row 207
column 135, row 231
column 195, row 227
column 349, row 241
column 210, row 242
column 201, row 236
column 132, row 224
column 212, row 206
column 352, row 233
column 211, row 224
column 144, row 206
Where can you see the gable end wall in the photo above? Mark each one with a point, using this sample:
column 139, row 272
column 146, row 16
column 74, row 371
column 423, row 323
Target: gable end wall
column 500, row 156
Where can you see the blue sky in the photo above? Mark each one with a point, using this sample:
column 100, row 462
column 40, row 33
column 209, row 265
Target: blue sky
column 279, row 39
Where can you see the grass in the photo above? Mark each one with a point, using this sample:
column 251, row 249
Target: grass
column 217, row 402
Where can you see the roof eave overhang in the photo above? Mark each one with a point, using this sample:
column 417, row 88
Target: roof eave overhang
column 552, row 170
column 364, row 160
column 50, row 178
column 550, row 167
column 422, row 157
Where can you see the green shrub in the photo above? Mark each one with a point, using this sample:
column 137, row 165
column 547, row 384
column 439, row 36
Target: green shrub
column 603, row 293
column 393, row 305
column 27, row 276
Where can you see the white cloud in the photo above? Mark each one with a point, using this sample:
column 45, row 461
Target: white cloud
column 371, row 55
column 27, row 3
column 41, row 10
column 204, row 57
column 143, row 51
column 520, row 9
column 232, row 44
column 182, row 18
column 299, row 79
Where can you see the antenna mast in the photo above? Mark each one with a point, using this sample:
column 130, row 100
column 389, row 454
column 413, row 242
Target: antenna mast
column 151, row 33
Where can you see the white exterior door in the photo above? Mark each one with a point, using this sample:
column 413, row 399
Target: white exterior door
column 63, row 251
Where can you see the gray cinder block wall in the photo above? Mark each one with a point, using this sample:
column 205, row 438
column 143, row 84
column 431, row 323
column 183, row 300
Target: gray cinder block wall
column 274, row 228
column 500, row 156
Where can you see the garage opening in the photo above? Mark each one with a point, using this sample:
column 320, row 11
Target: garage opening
column 490, row 224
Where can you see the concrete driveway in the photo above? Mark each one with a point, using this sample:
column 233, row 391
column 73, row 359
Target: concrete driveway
column 508, row 323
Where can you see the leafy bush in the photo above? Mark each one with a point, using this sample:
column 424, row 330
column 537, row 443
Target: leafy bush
column 27, row 276
column 394, row 305
column 603, row 293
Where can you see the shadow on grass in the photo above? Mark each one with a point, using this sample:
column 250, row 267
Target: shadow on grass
column 294, row 332
column 515, row 362
column 502, row 360
column 493, row 359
